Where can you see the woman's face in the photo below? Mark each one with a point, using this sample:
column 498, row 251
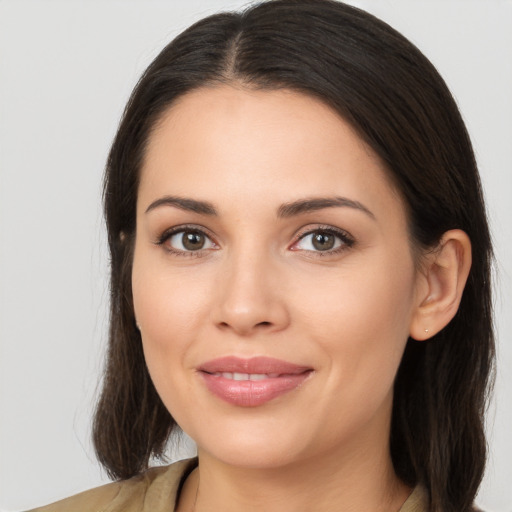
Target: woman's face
column 273, row 278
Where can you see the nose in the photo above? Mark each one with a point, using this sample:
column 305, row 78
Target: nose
column 251, row 296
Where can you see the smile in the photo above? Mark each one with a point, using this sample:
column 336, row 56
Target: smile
column 246, row 376
column 251, row 382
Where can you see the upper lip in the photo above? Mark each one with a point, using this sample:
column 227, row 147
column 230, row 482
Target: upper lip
column 260, row 365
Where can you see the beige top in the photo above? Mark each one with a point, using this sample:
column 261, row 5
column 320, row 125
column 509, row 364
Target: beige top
column 156, row 488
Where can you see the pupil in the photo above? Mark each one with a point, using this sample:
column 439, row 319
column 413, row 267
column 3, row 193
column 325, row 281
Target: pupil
column 323, row 241
column 193, row 241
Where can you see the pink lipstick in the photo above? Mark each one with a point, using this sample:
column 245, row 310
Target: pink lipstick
column 251, row 382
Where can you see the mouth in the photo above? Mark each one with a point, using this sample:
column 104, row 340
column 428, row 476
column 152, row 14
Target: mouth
column 246, row 376
column 252, row 382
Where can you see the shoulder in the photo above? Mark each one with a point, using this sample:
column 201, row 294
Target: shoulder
column 92, row 500
column 153, row 490
column 417, row 501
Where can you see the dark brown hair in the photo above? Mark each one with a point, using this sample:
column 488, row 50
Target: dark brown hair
column 395, row 99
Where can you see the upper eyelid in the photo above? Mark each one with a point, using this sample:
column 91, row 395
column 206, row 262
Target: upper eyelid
column 306, row 230
column 167, row 233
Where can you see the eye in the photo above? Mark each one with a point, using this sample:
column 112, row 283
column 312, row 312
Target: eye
column 186, row 240
column 326, row 240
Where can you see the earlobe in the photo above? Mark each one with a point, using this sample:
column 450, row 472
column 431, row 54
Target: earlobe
column 443, row 279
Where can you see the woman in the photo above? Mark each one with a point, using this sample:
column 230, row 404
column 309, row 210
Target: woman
column 300, row 274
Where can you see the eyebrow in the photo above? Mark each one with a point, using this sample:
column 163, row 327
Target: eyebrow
column 319, row 203
column 190, row 205
column 286, row 210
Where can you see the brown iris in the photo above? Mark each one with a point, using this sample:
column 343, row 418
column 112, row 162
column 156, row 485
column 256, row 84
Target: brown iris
column 323, row 241
column 193, row 240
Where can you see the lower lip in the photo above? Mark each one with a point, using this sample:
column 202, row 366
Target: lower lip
column 250, row 393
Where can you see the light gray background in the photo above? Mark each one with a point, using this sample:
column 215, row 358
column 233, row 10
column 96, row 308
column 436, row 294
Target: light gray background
column 66, row 70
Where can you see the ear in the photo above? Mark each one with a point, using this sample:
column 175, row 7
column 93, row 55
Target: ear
column 440, row 285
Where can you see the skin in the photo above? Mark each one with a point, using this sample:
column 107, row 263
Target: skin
column 258, row 289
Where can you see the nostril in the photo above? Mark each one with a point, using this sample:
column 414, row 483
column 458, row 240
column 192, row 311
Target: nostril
column 227, row 325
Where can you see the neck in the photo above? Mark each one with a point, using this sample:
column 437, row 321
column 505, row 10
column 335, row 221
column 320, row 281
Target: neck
column 354, row 483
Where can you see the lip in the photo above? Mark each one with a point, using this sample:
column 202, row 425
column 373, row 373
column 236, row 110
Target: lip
column 284, row 377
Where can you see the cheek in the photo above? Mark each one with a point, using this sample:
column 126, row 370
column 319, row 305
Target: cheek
column 167, row 306
column 166, row 299
column 361, row 327
column 369, row 296
column 165, row 311
column 361, row 320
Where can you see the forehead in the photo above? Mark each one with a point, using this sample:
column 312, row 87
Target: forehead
column 225, row 143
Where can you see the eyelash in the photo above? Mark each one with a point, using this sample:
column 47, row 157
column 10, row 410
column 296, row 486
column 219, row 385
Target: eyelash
column 347, row 241
column 166, row 235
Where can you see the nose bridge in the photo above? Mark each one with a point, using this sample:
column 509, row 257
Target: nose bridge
column 249, row 297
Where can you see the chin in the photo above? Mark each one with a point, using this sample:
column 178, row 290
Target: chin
column 260, row 445
column 253, row 457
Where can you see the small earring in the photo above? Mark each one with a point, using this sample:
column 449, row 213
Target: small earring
column 426, row 331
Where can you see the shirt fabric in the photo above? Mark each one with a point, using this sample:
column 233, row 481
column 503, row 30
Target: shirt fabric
column 158, row 487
